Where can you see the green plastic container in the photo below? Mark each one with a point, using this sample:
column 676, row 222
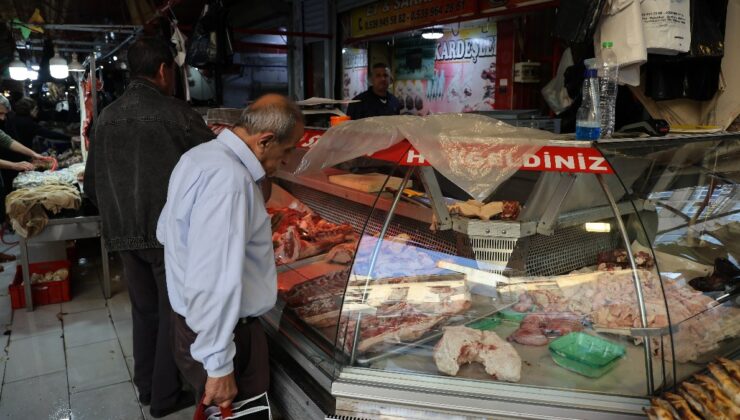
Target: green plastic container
column 511, row 315
column 585, row 354
column 486, row 324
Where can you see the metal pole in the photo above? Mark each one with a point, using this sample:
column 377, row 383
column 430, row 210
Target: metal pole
column 26, row 274
column 374, row 256
column 93, row 87
column 636, row 279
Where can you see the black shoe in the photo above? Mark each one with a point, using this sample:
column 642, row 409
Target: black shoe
column 145, row 399
column 184, row 400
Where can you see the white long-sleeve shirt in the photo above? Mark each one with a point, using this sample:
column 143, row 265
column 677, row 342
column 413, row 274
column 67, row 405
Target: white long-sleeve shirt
column 218, row 246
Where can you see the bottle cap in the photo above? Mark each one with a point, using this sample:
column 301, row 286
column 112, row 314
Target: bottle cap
column 591, row 73
column 607, row 44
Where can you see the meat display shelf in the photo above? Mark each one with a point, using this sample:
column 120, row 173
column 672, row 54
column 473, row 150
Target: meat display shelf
column 464, row 225
column 321, row 182
column 550, row 256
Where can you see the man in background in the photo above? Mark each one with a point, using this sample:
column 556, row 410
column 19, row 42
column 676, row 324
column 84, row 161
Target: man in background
column 376, row 101
column 137, row 141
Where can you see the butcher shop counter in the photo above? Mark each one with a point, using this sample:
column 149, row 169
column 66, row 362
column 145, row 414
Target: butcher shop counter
column 605, row 289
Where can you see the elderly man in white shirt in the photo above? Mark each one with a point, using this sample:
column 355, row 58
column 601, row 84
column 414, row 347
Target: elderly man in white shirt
column 218, row 253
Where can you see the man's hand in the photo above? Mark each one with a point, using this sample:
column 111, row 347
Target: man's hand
column 42, row 158
column 23, row 166
column 220, row 391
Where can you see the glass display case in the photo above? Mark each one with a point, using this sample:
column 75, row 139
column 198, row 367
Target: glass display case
column 578, row 287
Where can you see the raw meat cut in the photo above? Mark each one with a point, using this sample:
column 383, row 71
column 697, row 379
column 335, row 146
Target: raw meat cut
column 342, row 253
column 505, row 210
column 536, row 328
column 297, row 235
column 322, row 312
column 725, row 273
column 511, row 210
column 329, row 285
column 461, row 345
column 396, row 324
column 525, row 303
column 619, row 259
column 609, row 300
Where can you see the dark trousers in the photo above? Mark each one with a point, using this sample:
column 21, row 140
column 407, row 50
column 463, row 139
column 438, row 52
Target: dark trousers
column 155, row 371
column 251, row 362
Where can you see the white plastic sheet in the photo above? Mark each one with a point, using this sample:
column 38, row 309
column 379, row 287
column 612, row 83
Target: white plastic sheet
column 667, row 26
column 555, row 93
column 621, row 23
column 477, row 153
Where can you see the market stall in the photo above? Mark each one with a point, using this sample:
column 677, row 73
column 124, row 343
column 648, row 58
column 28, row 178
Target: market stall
column 48, row 207
column 582, row 280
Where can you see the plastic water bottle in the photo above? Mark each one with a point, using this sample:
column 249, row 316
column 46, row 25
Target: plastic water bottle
column 608, row 84
column 588, row 118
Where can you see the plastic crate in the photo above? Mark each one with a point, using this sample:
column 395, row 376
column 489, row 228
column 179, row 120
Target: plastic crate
column 42, row 293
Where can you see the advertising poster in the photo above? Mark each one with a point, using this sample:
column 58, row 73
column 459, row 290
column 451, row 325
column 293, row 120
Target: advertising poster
column 463, row 78
column 354, row 69
column 414, row 59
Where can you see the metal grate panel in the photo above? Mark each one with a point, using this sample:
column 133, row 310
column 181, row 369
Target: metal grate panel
column 567, row 250
column 495, row 251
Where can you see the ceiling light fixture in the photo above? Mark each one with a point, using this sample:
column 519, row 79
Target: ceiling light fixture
column 74, row 65
column 58, row 67
column 17, row 68
column 432, row 33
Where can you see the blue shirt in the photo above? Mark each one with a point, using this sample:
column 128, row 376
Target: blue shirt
column 218, row 246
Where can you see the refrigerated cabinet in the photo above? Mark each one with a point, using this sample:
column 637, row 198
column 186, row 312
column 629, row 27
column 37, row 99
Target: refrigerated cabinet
column 621, row 252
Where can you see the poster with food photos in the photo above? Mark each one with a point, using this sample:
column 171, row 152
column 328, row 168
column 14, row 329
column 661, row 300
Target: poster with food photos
column 354, row 72
column 463, row 78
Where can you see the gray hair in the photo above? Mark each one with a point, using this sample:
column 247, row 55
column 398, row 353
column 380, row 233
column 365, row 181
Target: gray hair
column 279, row 117
column 5, row 102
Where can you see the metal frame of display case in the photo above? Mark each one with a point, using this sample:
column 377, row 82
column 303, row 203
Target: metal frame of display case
column 356, row 390
column 67, row 229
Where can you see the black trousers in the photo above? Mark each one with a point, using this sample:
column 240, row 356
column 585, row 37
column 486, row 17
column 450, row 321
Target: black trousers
column 251, row 362
column 155, row 371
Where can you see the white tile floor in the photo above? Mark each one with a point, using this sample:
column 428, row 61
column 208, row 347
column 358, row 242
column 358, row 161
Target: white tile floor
column 70, row 360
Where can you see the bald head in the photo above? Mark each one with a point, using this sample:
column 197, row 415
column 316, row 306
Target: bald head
column 272, row 113
column 271, row 127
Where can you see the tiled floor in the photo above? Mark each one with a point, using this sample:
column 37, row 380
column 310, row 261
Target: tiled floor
column 71, row 360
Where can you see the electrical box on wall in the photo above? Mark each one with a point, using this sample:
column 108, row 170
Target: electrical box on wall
column 527, row 72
